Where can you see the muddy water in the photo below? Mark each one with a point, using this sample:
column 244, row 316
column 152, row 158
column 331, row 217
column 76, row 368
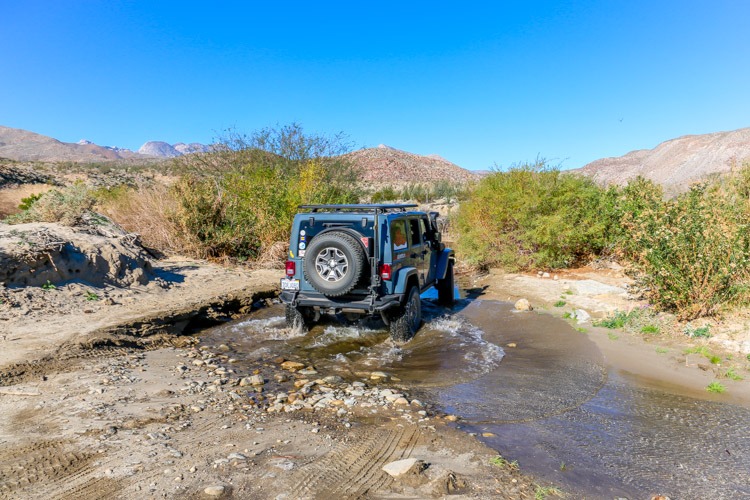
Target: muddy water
column 549, row 402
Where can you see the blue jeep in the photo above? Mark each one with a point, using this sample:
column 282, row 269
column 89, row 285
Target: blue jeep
column 365, row 260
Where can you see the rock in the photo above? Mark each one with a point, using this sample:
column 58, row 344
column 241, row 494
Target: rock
column 292, row 366
column 581, row 316
column 301, row 382
column 281, row 377
column 401, row 401
column 214, row 491
column 333, row 379
column 451, row 418
column 379, row 376
column 237, row 456
column 510, row 344
column 399, row 467
column 307, row 372
column 545, row 275
column 251, row 380
column 523, row 305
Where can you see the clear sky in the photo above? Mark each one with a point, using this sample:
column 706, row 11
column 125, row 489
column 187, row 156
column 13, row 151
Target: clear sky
column 481, row 84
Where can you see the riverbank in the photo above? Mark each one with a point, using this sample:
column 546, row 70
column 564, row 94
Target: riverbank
column 665, row 359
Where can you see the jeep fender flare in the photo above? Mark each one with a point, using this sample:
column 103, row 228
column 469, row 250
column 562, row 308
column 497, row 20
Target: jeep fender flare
column 442, row 264
column 403, row 278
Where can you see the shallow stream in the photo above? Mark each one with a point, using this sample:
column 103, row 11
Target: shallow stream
column 550, row 402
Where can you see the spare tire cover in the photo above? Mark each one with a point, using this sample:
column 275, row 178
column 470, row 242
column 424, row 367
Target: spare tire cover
column 334, row 263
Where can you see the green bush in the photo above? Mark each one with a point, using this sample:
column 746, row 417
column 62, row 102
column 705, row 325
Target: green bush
column 27, row 202
column 693, row 251
column 534, row 216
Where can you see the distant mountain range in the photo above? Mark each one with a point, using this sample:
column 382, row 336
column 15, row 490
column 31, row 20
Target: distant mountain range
column 22, row 145
column 677, row 163
column 674, row 164
column 380, row 165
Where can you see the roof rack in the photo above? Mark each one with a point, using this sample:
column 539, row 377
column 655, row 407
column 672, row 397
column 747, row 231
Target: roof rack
column 375, row 208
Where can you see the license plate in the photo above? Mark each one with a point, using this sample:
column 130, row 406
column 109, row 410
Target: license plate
column 287, row 284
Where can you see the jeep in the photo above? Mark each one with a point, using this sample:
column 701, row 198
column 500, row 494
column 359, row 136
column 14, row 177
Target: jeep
column 365, row 260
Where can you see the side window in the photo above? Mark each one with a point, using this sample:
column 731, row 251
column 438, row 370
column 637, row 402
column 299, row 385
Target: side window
column 398, row 234
column 416, row 234
column 422, row 227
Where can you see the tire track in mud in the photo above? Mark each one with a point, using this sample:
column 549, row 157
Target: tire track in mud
column 49, row 469
column 70, row 357
column 355, row 471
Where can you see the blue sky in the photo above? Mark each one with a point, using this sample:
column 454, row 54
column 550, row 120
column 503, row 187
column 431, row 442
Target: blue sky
column 481, row 84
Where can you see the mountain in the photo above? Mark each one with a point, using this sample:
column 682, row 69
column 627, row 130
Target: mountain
column 22, row 145
column 677, row 163
column 387, row 165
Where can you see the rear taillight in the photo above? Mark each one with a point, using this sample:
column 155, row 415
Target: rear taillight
column 385, row 272
column 291, row 268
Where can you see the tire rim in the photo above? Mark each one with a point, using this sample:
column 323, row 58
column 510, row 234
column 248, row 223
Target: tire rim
column 331, row 264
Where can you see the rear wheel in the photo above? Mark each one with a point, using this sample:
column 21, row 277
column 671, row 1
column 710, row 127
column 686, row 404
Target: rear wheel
column 298, row 317
column 408, row 318
column 445, row 287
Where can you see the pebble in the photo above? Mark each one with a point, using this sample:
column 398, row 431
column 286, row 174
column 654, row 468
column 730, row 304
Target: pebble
column 214, row 491
column 237, row 456
column 292, row 366
column 379, row 376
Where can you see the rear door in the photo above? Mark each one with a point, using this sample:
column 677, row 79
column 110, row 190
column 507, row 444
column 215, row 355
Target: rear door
column 417, row 250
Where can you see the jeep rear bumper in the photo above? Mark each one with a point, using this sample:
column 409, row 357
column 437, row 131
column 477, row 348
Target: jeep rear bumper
column 366, row 304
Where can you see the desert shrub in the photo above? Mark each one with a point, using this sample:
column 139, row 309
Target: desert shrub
column 693, row 251
column 68, row 206
column 632, row 205
column 534, row 216
column 384, row 194
column 446, row 190
column 239, row 200
column 416, row 192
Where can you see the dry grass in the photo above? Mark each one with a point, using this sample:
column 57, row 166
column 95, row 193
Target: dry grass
column 148, row 212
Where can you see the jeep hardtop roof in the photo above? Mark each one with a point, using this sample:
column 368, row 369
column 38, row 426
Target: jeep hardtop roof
column 376, row 208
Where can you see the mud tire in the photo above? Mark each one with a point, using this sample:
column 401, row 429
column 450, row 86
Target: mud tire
column 345, row 252
column 408, row 318
column 298, row 317
column 445, row 287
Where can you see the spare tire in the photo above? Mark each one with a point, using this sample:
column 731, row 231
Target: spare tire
column 334, row 263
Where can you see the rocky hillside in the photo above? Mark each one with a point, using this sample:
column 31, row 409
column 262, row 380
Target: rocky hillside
column 386, row 165
column 22, row 145
column 677, row 163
